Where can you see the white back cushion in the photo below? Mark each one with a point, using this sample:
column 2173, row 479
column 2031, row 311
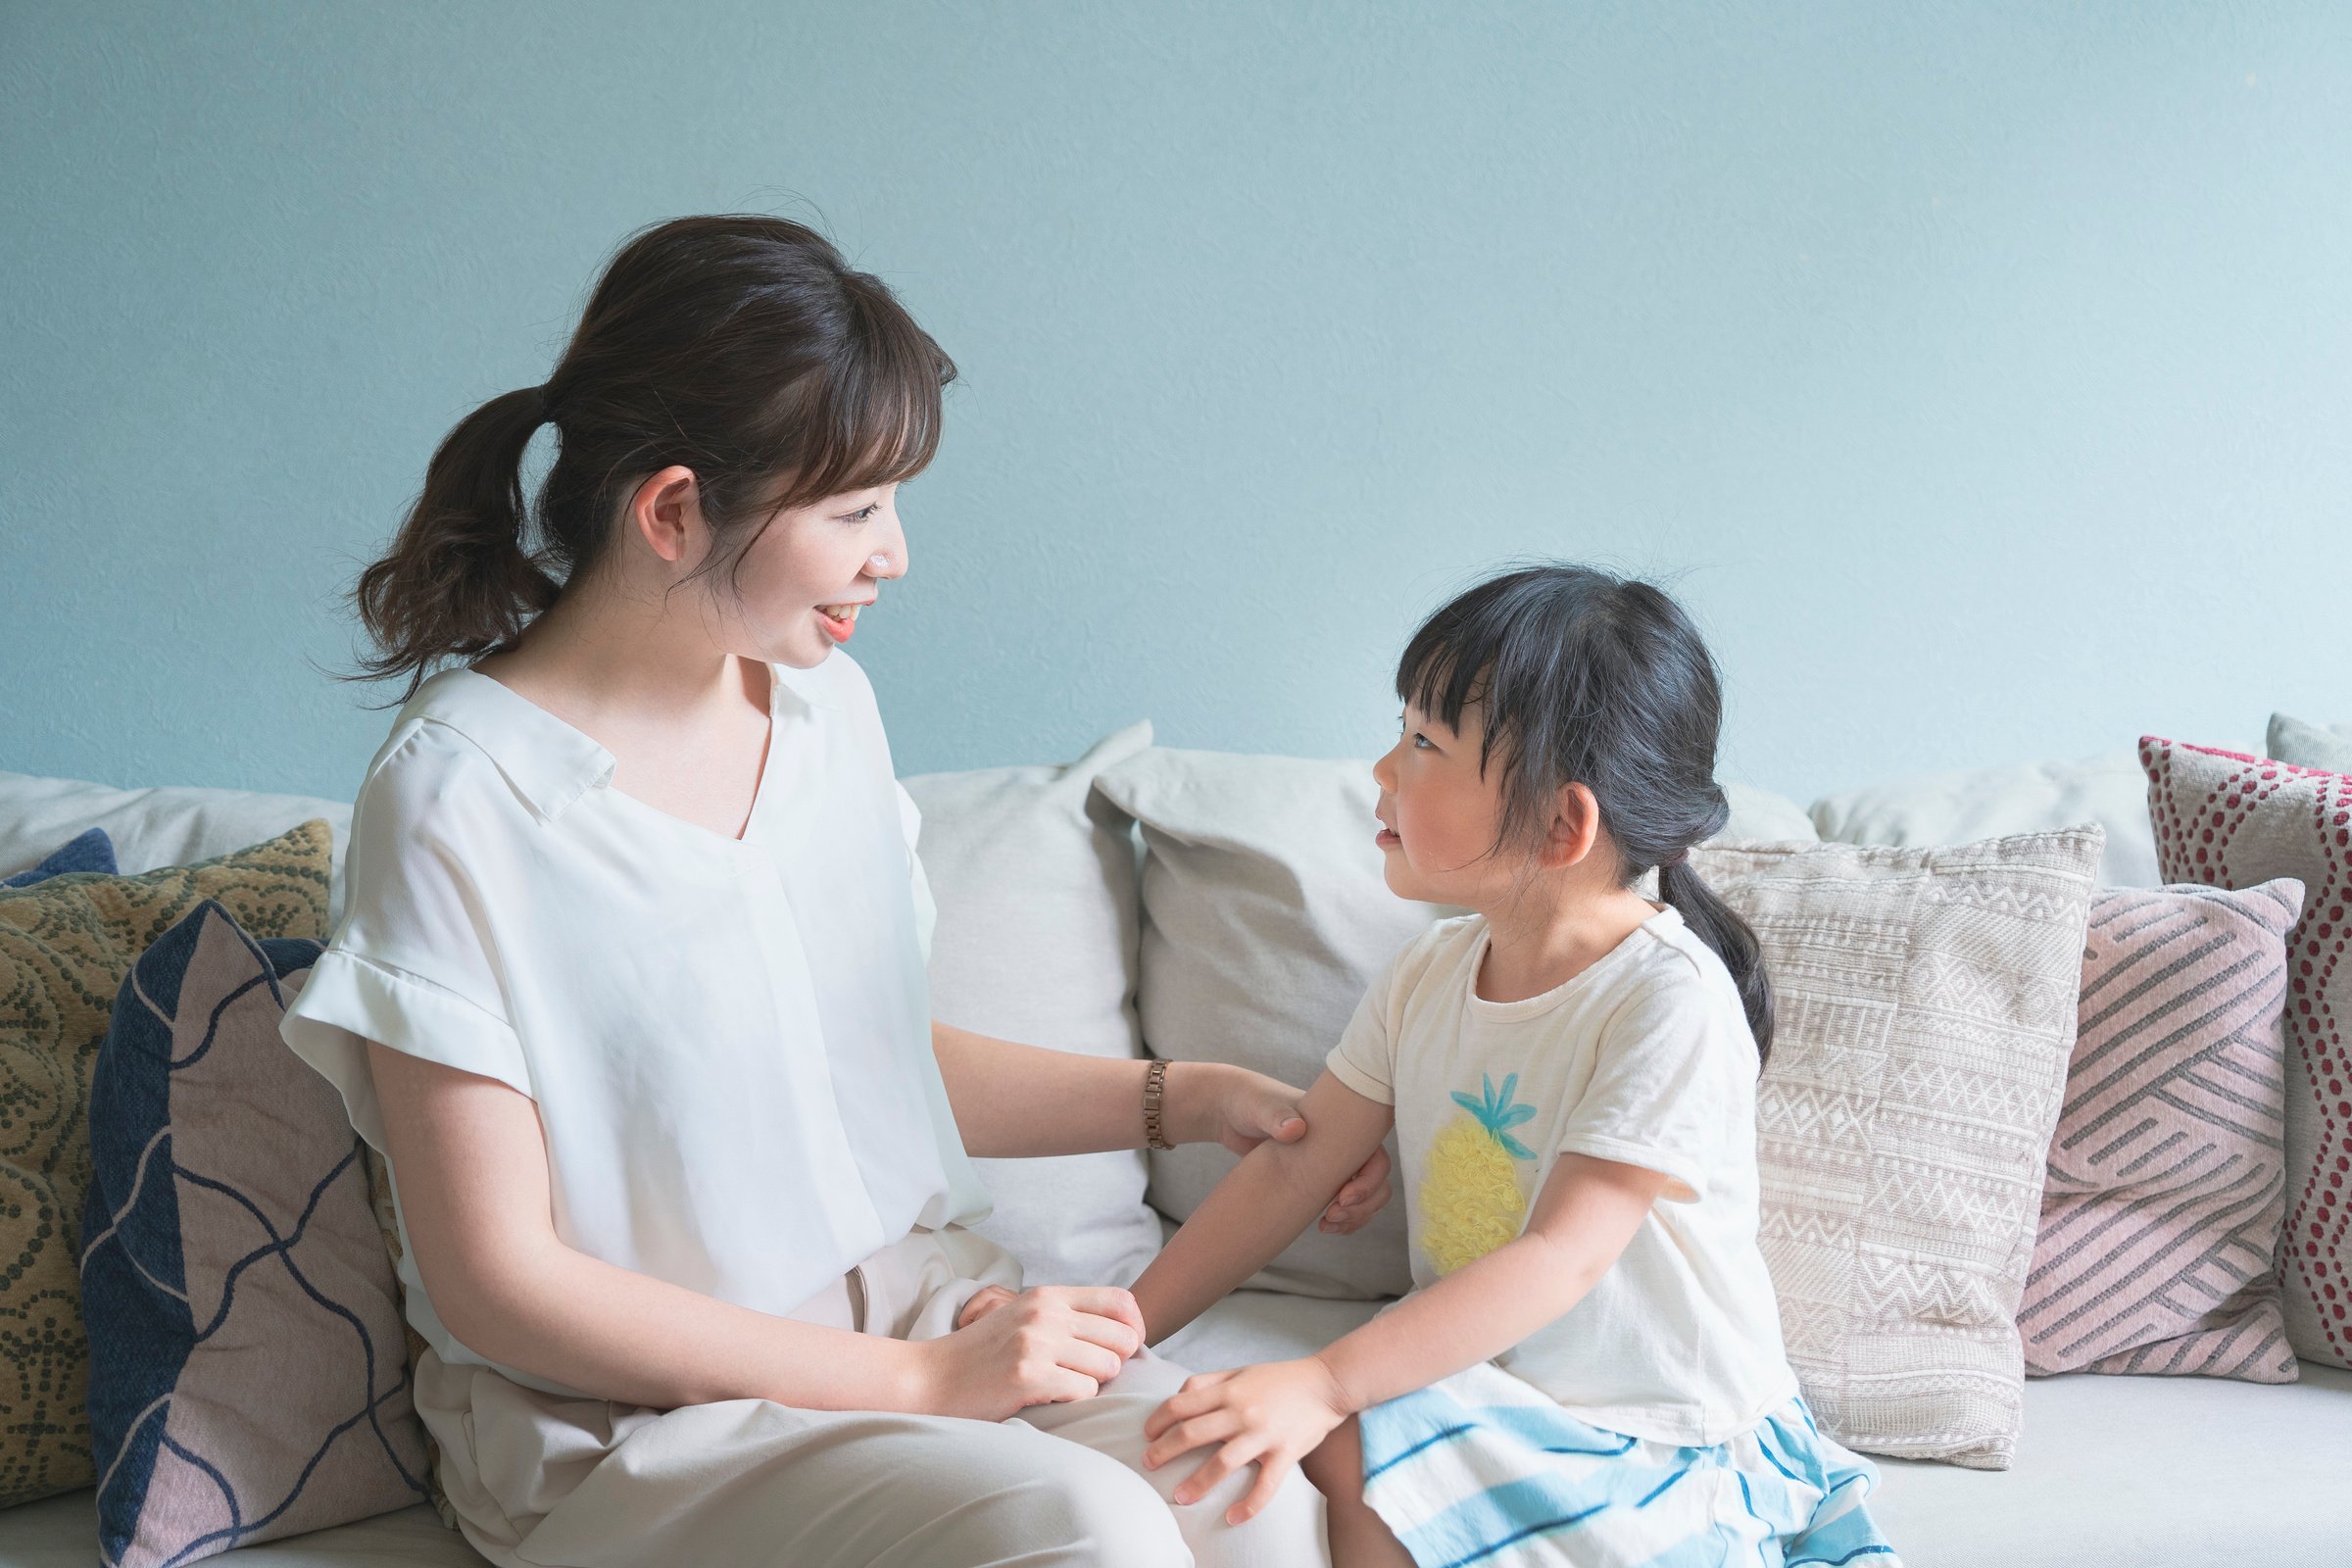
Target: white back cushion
column 1035, row 941
column 170, row 825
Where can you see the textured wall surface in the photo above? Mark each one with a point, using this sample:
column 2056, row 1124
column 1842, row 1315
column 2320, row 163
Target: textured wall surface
column 1978, row 369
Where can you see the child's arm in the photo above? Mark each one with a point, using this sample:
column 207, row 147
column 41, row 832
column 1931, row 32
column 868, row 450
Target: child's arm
column 1260, row 1208
column 1587, row 1212
column 1274, row 1414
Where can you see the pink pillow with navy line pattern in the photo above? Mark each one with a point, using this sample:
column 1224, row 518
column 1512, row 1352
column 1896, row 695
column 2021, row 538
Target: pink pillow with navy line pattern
column 248, row 1373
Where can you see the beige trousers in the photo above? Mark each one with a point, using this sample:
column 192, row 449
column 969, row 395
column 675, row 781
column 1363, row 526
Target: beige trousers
column 542, row 1481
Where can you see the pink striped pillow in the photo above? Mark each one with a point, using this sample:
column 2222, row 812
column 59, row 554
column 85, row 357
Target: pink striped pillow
column 2167, row 1189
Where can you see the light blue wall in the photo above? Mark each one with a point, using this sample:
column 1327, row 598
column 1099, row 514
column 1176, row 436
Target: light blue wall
column 1980, row 369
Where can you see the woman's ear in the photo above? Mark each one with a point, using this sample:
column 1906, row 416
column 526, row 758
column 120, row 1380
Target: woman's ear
column 1575, row 827
column 666, row 511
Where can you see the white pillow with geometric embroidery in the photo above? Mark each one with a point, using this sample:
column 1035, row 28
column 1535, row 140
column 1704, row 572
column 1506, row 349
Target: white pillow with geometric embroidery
column 1926, row 1013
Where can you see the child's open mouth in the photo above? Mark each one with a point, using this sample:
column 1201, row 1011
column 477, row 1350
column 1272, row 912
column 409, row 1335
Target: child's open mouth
column 840, row 619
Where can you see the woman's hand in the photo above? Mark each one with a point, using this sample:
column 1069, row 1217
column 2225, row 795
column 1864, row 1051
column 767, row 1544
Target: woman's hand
column 1273, row 1414
column 1250, row 1107
column 1047, row 1346
column 986, row 1300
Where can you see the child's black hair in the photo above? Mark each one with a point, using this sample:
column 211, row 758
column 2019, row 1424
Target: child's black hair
column 1586, row 678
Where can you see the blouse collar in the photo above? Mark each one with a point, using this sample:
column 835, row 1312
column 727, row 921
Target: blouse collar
column 551, row 764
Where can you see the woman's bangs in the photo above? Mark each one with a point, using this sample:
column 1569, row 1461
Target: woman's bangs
column 877, row 419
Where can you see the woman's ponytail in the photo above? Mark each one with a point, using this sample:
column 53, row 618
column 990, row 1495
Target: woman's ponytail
column 460, row 579
column 1720, row 927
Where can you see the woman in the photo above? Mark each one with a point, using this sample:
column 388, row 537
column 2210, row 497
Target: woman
column 629, row 988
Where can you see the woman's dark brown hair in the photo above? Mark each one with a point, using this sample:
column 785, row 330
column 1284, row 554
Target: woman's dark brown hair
column 740, row 346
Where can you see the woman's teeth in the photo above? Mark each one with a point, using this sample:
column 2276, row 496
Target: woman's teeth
column 840, row 611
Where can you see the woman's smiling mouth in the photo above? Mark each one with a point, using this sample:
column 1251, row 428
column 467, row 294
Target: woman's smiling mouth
column 840, row 620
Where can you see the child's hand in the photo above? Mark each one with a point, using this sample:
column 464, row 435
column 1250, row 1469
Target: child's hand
column 1254, row 1108
column 986, row 1300
column 1274, row 1414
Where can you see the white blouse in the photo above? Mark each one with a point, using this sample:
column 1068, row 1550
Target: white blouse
column 728, row 1041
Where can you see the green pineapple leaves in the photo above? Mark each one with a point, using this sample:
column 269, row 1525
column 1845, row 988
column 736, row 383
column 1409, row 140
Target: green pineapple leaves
column 1497, row 1115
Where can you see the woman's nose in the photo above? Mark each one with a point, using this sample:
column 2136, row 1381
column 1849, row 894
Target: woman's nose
column 889, row 560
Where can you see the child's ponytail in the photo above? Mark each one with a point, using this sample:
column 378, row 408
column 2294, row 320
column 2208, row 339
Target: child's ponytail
column 739, row 346
column 1734, row 939
column 460, row 580
column 1586, row 678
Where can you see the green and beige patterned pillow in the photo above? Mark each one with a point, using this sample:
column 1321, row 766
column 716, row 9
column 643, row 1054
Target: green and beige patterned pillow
column 65, row 945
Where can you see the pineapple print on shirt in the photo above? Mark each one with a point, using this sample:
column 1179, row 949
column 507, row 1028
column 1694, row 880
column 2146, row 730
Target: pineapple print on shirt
column 1471, row 1202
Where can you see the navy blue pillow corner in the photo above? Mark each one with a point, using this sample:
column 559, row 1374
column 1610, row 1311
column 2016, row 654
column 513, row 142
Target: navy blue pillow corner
column 141, row 1330
column 89, row 851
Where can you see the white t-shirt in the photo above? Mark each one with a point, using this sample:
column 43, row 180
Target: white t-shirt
column 728, row 1041
column 1644, row 1059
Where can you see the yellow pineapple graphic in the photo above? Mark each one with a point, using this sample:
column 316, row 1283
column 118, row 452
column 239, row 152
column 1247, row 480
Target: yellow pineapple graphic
column 1470, row 1199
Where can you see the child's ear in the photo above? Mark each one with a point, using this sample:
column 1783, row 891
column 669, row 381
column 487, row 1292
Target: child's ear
column 1575, row 827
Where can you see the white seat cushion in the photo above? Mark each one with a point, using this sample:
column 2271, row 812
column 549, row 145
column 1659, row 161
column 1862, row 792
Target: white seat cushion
column 2111, row 1472
column 62, row 1532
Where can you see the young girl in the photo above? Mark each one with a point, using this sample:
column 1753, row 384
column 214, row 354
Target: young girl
column 629, row 988
column 1588, row 1369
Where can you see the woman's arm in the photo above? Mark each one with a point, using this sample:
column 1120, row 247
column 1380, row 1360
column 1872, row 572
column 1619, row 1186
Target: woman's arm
column 1013, row 1102
column 1259, row 1207
column 1001, row 1093
column 472, row 1164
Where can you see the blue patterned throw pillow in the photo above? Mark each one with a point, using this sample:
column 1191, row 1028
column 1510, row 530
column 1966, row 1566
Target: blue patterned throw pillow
column 92, row 850
column 248, row 1375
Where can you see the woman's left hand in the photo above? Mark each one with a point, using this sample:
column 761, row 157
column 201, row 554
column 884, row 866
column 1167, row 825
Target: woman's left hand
column 1273, row 1414
column 1254, row 1108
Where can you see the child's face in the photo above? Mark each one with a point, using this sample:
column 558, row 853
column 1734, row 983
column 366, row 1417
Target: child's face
column 1438, row 816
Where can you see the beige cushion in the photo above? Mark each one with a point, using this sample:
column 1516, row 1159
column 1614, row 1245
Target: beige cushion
column 2322, row 745
column 1036, row 888
column 1926, row 1014
column 1963, row 808
column 1264, row 918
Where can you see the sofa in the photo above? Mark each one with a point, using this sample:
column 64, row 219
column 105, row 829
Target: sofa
column 1057, row 923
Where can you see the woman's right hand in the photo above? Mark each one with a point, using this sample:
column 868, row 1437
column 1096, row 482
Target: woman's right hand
column 1047, row 1346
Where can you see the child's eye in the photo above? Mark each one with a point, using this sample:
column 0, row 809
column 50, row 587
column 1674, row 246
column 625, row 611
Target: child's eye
column 1421, row 742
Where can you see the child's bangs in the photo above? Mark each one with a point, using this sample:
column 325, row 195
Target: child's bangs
column 1446, row 666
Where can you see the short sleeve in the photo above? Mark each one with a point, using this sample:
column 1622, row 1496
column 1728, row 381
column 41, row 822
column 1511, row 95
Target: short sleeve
column 1665, row 1084
column 1364, row 1059
column 926, row 908
column 412, row 965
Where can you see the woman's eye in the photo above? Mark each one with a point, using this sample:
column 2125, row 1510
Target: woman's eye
column 863, row 512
